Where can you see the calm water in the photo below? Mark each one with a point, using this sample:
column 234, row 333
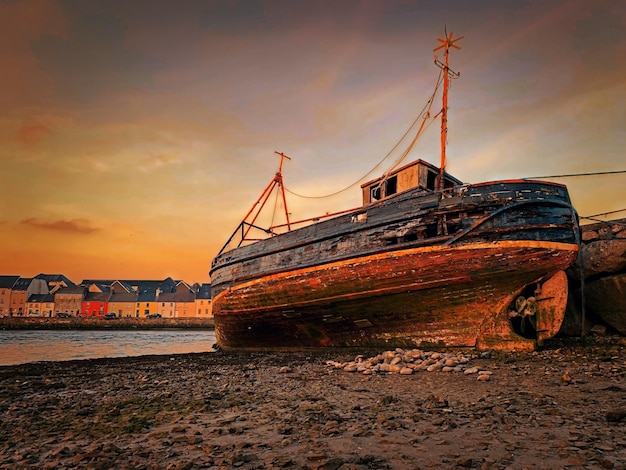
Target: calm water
column 19, row 347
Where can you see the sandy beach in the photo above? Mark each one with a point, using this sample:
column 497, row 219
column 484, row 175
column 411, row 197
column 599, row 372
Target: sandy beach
column 562, row 407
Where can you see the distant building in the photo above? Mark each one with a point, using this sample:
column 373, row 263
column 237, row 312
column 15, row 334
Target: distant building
column 146, row 304
column 95, row 304
column 22, row 290
column 203, row 301
column 56, row 295
column 178, row 304
column 122, row 300
column 6, row 288
column 69, row 300
column 40, row 305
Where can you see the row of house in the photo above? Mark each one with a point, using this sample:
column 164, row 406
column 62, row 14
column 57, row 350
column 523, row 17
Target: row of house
column 50, row 295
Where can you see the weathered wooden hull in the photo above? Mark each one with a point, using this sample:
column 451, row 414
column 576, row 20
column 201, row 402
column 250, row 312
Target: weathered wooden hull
column 437, row 296
column 417, row 270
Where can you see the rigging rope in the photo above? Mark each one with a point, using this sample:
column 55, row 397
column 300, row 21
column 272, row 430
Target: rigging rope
column 593, row 217
column 605, row 213
column 575, row 174
column 588, row 217
column 403, row 155
column 425, row 109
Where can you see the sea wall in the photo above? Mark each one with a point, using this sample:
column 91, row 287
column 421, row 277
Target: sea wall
column 598, row 281
column 94, row 323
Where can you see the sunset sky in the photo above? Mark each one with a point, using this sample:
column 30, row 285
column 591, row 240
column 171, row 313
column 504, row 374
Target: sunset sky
column 135, row 135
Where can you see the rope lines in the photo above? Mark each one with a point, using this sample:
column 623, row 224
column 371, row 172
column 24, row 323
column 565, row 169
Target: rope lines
column 575, row 174
column 595, row 219
column 606, row 213
column 424, row 115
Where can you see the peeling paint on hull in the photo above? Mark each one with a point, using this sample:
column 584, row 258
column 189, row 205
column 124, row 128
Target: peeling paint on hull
column 441, row 296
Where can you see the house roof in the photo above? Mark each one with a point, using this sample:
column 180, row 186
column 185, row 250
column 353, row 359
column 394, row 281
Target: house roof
column 55, row 279
column 22, row 283
column 147, row 296
column 96, row 297
column 139, row 285
column 123, row 284
column 123, row 297
column 7, row 282
column 204, row 292
column 100, row 285
column 78, row 290
column 181, row 296
column 41, row 298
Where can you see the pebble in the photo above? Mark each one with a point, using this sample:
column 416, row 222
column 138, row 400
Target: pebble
column 406, row 362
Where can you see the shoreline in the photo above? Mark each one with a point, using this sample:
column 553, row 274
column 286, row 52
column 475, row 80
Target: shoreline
column 563, row 406
column 96, row 323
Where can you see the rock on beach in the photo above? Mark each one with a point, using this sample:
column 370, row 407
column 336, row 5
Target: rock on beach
column 406, row 362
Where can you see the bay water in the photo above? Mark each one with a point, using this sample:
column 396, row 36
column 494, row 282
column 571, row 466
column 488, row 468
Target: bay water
column 23, row 346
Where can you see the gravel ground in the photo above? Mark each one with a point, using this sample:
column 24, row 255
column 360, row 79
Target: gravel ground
column 562, row 407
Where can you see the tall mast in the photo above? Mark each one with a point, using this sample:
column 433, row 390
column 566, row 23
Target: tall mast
column 279, row 181
column 446, row 44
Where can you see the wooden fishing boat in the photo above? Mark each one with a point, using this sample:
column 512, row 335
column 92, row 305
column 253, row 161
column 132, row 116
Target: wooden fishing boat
column 425, row 261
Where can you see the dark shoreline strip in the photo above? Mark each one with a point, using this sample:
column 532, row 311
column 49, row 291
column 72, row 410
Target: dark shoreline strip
column 92, row 323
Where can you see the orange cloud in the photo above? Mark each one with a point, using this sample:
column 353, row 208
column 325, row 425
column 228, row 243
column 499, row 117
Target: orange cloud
column 31, row 134
column 80, row 226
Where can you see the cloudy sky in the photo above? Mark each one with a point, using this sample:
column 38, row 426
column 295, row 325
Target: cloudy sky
column 135, row 135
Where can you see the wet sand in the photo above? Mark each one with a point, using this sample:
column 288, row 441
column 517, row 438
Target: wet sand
column 562, row 407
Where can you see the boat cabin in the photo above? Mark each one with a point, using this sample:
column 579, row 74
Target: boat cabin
column 415, row 174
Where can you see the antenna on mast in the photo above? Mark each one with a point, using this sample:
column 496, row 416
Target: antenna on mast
column 446, row 44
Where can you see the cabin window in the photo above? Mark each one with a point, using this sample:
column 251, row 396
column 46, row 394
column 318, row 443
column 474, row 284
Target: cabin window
column 431, row 179
column 391, row 186
column 375, row 193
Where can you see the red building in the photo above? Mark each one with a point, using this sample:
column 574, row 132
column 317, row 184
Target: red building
column 95, row 304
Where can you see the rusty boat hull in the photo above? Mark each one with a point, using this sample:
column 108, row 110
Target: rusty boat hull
column 420, row 269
